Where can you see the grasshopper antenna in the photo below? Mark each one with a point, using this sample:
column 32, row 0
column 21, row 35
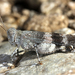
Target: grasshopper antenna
column 2, row 22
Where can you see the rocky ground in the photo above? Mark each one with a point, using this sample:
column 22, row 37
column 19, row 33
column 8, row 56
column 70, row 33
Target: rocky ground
column 36, row 15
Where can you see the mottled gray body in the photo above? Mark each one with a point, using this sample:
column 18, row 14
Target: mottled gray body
column 29, row 39
column 45, row 43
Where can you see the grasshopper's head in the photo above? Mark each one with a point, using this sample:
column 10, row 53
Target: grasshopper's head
column 11, row 32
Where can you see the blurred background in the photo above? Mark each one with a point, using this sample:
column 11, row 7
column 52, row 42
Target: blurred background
column 38, row 15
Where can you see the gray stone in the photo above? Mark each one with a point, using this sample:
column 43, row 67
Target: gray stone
column 5, row 58
column 51, row 65
column 6, row 48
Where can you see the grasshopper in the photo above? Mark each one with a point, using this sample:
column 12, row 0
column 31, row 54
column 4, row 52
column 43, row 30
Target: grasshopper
column 40, row 42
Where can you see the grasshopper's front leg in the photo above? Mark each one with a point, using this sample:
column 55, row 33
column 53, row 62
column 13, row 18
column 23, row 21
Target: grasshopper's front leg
column 16, row 52
column 16, row 56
